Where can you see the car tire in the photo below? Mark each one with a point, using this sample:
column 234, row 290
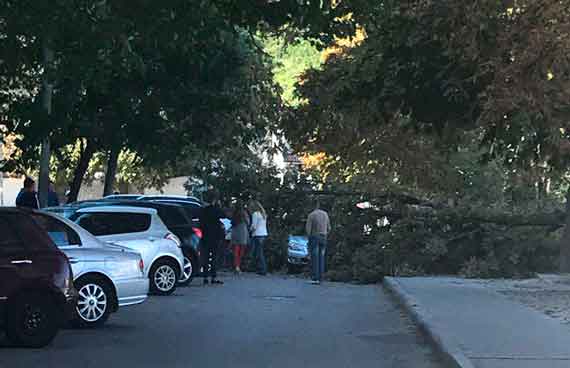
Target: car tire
column 163, row 277
column 33, row 320
column 190, row 269
column 94, row 304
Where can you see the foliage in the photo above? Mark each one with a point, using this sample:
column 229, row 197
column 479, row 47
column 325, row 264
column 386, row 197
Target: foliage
column 155, row 79
column 393, row 107
column 367, row 244
column 291, row 61
column 236, row 172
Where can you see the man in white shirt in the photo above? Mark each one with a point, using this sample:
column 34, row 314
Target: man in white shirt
column 318, row 228
column 259, row 234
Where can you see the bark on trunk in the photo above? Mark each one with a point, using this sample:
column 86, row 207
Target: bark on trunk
column 111, row 171
column 79, row 173
column 565, row 242
column 47, row 92
column 43, row 187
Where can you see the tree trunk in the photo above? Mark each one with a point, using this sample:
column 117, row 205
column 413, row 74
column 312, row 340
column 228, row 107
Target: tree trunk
column 80, row 170
column 565, row 242
column 47, row 93
column 124, row 187
column 111, row 171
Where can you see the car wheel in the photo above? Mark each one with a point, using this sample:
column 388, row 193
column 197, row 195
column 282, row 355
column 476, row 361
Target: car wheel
column 94, row 302
column 33, row 320
column 163, row 277
column 188, row 271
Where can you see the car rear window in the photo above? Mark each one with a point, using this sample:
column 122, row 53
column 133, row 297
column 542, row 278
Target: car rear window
column 10, row 241
column 112, row 223
column 19, row 232
column 193, row 212
column 172, row 216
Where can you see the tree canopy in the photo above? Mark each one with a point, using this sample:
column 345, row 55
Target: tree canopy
column 157, row 79
column 430, row 78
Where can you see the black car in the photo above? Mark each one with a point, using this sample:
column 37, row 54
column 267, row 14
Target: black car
column 36, row 289
column 192, row 209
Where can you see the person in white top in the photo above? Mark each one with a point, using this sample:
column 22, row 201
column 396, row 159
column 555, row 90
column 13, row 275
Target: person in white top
column 258, row 234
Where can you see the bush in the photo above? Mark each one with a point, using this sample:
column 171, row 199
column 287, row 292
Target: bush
column 480, row 268
column 368, row 264
column 472, row 250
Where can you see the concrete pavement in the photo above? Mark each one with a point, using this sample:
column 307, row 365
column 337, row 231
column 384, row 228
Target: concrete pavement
column 251, row 321
column 476, row 327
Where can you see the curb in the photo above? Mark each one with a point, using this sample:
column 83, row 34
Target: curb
column 451, row 353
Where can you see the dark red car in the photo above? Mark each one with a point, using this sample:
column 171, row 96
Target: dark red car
column 36, row 284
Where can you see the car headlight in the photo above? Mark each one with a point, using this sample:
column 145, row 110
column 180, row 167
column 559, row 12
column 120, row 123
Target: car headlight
column 297, row 247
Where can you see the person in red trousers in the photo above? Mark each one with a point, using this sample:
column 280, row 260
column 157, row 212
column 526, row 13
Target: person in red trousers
column 240, row 234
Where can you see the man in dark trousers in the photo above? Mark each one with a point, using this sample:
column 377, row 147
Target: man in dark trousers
column 28, row 197
column 213, row 234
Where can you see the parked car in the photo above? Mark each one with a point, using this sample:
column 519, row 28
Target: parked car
column 106, row 276
column 182, row 218
column 179, row 220
column 298, row 254
column 140, row 229
column 36, row 292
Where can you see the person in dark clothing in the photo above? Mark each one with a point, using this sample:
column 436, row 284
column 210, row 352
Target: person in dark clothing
column 213, row 234
column 27, row 197
column 53, row 200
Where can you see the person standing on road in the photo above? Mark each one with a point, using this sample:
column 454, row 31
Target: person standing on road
column 240, row 234
column 318, row 227
column 213, row 235
column 28, row 198
column 258, row 234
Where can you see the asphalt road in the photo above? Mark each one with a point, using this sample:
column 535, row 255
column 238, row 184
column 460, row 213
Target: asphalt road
column 251, row 321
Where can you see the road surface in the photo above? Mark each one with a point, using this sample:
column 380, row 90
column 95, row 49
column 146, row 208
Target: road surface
column 251, row 321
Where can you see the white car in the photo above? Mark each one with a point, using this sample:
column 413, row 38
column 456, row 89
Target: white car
column 107, row 277
column 140, row 229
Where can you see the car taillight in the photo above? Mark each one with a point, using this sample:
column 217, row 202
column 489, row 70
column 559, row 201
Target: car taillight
column 198, row 232
column 141, row 265
column 174, row 238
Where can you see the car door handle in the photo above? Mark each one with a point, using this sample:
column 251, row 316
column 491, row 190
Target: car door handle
column 21, row 261
column 73, row 260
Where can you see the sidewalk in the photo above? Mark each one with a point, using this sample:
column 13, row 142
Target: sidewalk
column 476, row 327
